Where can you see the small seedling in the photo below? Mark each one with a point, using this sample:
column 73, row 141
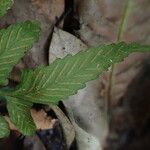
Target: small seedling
column 49, row 84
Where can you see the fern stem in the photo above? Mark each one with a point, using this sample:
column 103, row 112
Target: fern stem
column 124, row 20
column 112, row 71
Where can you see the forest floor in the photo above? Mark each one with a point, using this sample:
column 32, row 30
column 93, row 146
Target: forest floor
column 81, row 122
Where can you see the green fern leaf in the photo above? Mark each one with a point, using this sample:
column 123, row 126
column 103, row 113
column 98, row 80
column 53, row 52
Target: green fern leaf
column 14, row 42
column 4, row 128
column 48, row 85
column 4, row 6
column 19, row 113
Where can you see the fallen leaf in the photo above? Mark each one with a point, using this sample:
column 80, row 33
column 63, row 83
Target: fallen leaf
column 41, row 119
column 63, row 43
column 68, row 128
column 52, row 9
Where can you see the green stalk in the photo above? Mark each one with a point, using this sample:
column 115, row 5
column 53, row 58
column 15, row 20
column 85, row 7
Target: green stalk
column 112, row 71
column 124, row 20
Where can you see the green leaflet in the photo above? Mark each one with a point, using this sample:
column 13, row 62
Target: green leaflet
column 4, row 6
column 14, row 42
column 4, row 128
column 48, row 85
column 19, row 113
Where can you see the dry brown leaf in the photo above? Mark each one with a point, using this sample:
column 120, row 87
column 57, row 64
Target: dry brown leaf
column 68, row 128
column 41, row 119
column 64, row 43
column 52, row 9
column 101, row 20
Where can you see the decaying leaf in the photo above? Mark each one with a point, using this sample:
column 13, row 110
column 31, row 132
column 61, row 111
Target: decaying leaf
column 52, row 9
column 68, row 128
column 41, row 119
column 64, row 43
